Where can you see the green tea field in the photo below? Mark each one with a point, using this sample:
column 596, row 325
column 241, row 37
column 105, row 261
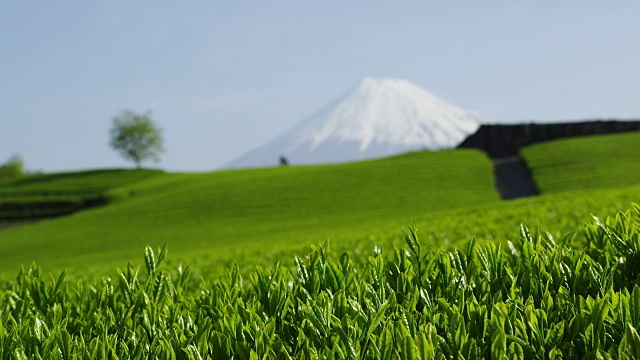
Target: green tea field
column 535, row 298
column 588, row 162
column 312, row 262
column 205, row 213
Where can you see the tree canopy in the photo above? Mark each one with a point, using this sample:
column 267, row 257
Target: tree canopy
column 136, row 137
column 13, row 168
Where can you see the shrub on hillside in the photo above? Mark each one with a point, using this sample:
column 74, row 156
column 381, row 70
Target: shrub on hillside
column 12, row 169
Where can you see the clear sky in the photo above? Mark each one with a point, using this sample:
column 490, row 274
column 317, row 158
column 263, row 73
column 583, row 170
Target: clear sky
column 221, row 77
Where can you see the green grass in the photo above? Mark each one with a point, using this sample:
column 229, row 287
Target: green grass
column 585, row 163
column 204, row 213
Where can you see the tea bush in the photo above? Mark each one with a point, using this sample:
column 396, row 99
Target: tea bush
column 534, row 298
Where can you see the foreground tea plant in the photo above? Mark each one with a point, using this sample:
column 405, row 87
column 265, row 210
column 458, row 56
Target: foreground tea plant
column 537, row 298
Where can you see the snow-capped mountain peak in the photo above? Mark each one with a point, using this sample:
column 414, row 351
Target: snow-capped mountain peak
column 379, row 117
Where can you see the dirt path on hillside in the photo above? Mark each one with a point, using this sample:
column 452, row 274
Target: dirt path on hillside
column 513, row 178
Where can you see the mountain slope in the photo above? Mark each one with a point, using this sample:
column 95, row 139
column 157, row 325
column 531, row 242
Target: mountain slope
column 380, row 117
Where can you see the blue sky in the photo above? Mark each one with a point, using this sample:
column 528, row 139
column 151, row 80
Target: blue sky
column 223, row 77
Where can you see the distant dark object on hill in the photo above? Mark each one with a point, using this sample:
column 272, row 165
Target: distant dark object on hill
column 500, row 141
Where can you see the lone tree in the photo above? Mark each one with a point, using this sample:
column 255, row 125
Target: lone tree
column 136, row 137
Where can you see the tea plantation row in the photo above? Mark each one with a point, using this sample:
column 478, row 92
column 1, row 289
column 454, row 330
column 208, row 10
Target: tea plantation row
column 48, row 195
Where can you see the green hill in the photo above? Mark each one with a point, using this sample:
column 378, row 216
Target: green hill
column 585, row 162
column 204, row 213
column 212, row 220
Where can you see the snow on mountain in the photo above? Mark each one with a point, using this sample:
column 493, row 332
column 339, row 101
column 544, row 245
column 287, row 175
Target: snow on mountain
column 379, row 117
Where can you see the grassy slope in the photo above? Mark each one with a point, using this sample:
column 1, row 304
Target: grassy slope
column 206, row 213
column 585, row 162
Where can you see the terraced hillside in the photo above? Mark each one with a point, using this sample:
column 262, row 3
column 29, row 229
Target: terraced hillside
column 205, row 212
column 59, row 194
column 585, row 163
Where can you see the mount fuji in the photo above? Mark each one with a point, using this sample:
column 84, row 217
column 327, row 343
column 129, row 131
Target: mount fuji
column 379, row 117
